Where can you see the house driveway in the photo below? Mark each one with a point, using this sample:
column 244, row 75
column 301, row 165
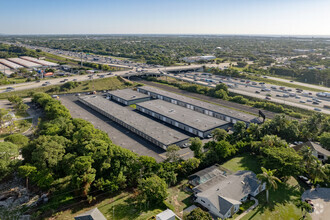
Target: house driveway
column 321, row 200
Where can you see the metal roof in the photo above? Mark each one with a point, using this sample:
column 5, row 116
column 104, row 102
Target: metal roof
column 128, row 94
column 41, row 62
column 24, row 63
column 10, row 64
column 215, row 108
column 156, row 130
column 183, row 115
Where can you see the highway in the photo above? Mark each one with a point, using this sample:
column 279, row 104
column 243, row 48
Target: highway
column 250, row 90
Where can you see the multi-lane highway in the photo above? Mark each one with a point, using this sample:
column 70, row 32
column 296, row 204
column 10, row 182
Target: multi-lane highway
column 289, row 96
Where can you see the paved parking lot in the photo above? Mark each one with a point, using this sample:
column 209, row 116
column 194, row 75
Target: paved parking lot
column 321, row 201
column 117, row 133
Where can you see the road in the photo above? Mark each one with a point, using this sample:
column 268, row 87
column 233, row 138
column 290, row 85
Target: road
column 250, row 90
column 224, row 103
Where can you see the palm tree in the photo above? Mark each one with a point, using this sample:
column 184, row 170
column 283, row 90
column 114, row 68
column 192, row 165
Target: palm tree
column 308, row 157
column 317, row 171
column 267, row 176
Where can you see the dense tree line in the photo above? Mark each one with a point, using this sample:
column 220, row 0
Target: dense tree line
column 165, row 50
column 8, row 51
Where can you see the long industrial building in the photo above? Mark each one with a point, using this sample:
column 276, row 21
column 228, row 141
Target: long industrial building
column 10, row 64
column 188, row 120
column 212, row 110
column 6, row 70
column 24, row 63
column 41, row 62
column 128, row 96
column 145, row 127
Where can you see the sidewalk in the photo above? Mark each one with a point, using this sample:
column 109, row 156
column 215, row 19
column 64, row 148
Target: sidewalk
column 249, row 209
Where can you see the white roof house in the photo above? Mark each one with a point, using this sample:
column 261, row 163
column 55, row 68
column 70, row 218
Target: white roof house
column 168, row 214
column 93, row 214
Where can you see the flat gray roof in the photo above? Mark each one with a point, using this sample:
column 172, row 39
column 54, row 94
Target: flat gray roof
column 128, row 94
column 154, row 129
column 216, row 108
column 183, row 115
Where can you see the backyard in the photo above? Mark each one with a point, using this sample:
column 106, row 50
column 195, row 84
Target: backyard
column 281, row 202
column 125, row 206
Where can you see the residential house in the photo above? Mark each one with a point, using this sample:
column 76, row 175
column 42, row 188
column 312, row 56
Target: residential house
column 317, row 150
column 93, row 214
column 168, row 214
column 223, row 194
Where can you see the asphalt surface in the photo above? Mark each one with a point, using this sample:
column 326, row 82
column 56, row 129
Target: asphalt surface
column 320, row 198
column 118, row 134
column 250, row 91
column 224, row 103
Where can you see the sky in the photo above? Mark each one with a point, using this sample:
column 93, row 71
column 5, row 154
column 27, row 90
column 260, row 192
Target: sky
column 237, row 17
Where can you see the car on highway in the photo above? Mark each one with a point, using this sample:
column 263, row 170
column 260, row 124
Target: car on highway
column 278, row 95
column 308, row 100
column 254, row 83
column 10, row 88
column 297, row 97
column 257, row 92
column 286, row 96
column 291, row 81
column 317, row 109
column 268, row 98
column 302, row 101
column 315, row 103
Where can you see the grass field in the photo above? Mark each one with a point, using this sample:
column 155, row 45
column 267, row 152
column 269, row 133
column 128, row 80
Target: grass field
column 281, row 205
column 243, row 162
column 111, row 83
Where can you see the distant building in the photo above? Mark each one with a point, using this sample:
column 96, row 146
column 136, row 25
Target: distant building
column 198, row 59
column 93, row 214
column 317, row 150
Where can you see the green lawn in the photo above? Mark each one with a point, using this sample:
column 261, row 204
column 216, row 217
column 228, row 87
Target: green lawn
column 243, row 162
column 281, row 205
column 281, row 202
column 126, row 207
column 178, row 198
